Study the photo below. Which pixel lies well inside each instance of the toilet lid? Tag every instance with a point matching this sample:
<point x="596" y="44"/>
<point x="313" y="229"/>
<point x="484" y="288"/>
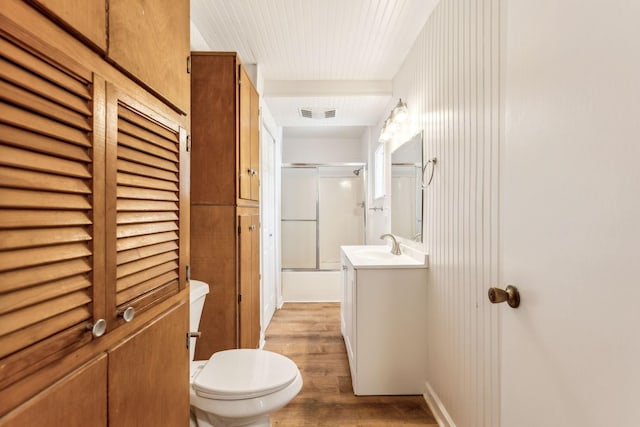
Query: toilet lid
<point x="244" y="374"/>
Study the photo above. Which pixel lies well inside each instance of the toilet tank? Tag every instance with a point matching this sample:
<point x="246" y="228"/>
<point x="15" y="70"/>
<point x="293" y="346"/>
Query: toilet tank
<point x="197" y="292"/>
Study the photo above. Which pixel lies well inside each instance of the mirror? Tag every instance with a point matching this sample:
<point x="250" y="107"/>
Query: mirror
<point x="378" y="173"/>
<point x="406" y="189"/>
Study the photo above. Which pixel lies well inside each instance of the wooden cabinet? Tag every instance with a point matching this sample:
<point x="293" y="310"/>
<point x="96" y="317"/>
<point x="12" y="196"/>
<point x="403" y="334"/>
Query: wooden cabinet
<point x="225" y="253"/>
<point x="225" y="131"/>
<point x="224" y="201"/>
<point x="249" y="280"/>
<point x="146" y="373"/>
<point x="248" y="144"/>
<point x="52" y="186"/>
<point x="94" y="214"/>
<point x="85" y="18"/>
<point x="146" y="39"/>
<point x="78" y="400"/>
<point x="131" y="383"/>
<point x="149" y="39"/>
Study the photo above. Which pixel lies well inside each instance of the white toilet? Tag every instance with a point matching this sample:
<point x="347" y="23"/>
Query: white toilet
<point x="237" y="387"/>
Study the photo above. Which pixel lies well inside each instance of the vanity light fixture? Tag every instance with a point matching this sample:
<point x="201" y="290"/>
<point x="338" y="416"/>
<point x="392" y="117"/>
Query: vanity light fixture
<point x="400" y="112"/>
<point x="397" y="116"/>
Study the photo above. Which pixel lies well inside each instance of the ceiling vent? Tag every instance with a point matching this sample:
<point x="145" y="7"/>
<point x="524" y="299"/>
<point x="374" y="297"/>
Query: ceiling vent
<point x="317" y="113"/>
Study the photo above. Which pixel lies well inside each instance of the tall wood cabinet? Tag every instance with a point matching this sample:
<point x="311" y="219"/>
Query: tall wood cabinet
<point x="225" y="245"/>
<point x="94" y="224"/>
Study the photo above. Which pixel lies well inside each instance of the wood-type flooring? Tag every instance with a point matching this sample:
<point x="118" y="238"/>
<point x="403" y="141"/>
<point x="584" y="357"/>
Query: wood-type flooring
<point x="309" y="334"/>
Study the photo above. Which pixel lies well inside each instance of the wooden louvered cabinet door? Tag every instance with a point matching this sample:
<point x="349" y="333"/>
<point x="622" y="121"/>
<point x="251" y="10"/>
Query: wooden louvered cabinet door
<point x="142" y="205"/>
<point x="51" y="207"/>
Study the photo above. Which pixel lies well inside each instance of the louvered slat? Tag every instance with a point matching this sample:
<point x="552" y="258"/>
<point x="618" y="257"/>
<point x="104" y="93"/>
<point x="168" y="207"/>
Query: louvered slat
<point x="141" y="126"/>
<point x="148" y="274"/>
<point x="146" y="206"/>
<point x="147" y="211"/>
<point x="31" y="315"/>
<point x="34" y="295"/>
<point x="15" y="239"/>
<point x="28" y="120"/>
<point x="138" y="169"/>
<point x="145" y="251"/>
<point x="144" y="182"/>
<point x="146" y="159"/>
<point x="19" y="178"/>
<point x="51" y="328"/>
<point x="76" y="85"/>
<point x="43" y="87"/>
<point x="14" y="218"/>
<point x="43" y="106"/>
<point x="26" y="159"/>
<point x="136" y="143"/>
<point x="17" y="279"/>
<point x="46" y="208"/>
<point x="14" y="198"/>
<point x="148" y="239"/>
<point x="137" y="217"/>
<point x="163" y="285"/>
<point x="43" y="144"/>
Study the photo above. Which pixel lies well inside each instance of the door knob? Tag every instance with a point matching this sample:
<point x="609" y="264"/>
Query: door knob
<point x="510" y="295"/>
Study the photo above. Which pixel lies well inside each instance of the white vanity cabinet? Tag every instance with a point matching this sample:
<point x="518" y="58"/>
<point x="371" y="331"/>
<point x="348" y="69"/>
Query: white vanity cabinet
<point x="383" y="318"/>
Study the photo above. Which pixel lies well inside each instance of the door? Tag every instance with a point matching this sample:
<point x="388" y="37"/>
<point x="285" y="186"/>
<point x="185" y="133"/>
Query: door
<point x="144" y="206"/>
<point x="569" y="215"/>
<point x="268" y="210"/>
<point x="148" y="381"/>
<point x="340" y="218"/>
<point x="78" y="400"/>
<point x="249" y="146"/>
<point x="249" y="265"/>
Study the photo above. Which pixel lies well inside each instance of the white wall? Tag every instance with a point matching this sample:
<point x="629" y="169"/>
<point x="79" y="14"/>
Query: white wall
<point x="311" y="150"/>
<point x="450" y="81"/>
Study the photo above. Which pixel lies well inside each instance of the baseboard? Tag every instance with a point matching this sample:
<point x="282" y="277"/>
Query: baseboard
<point x="438" y="409"/>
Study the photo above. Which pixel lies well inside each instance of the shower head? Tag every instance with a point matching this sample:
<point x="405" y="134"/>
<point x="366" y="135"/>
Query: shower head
<point x="356" y="172"/>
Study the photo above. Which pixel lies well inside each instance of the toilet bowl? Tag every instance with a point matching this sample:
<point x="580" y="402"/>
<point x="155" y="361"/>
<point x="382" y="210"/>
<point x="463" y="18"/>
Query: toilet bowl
<point x="239" y="387"/>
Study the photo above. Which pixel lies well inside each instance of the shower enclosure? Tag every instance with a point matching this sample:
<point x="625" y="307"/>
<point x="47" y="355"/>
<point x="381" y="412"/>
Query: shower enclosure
<point x="323" y="207"/>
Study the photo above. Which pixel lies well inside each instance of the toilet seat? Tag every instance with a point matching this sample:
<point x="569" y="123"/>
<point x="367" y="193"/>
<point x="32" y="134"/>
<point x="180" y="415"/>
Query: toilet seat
<point x="244" y="374"/>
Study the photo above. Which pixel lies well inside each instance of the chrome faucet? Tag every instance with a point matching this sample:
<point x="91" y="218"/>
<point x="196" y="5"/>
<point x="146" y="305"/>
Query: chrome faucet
<point x="395" y="247"/>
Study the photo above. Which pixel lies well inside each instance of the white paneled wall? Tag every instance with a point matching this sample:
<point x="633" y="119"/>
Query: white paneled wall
<point x="451" y="83"/>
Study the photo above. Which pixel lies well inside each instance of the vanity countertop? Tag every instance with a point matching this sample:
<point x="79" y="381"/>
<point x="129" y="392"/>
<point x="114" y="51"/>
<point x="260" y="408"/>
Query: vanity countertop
<point x="380" y="256"/>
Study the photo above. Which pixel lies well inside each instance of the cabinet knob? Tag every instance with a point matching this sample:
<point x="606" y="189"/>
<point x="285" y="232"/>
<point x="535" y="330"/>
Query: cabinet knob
<point x="128" y="314"/>
<point x="99" y="328"/>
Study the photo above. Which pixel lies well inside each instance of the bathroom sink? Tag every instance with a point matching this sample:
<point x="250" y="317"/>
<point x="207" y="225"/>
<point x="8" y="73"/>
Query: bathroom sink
<point x="379" y="256"/>
<point x="385" y="255"/>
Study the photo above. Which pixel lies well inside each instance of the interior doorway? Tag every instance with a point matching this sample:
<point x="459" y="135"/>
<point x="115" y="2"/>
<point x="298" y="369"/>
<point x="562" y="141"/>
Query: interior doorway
<point x="268" y="227"/>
